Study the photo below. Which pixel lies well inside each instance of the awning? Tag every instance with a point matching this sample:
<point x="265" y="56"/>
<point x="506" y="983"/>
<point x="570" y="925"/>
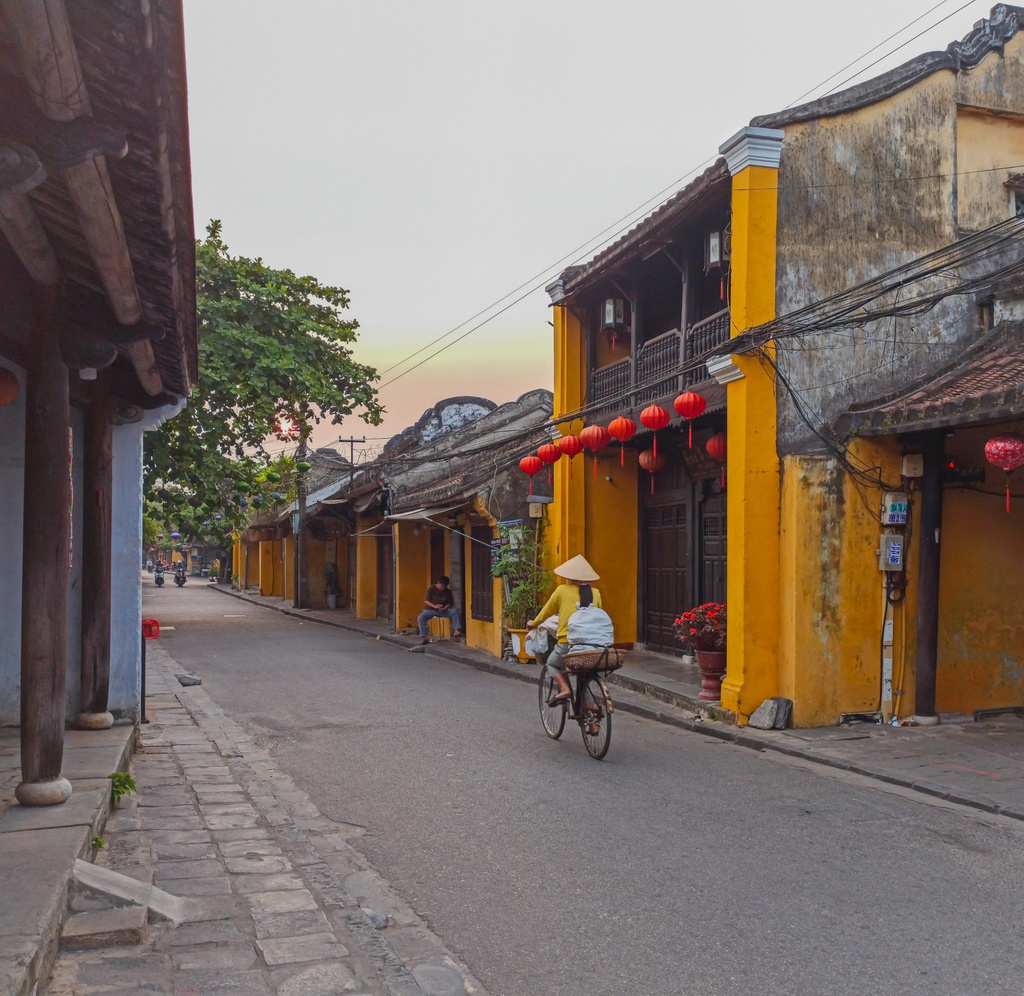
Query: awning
<point x="986" y="384"/>
<point x="423" y="514"/>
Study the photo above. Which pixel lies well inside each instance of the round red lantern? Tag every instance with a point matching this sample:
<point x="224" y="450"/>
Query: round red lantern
<point x="1006" y="453"/>
<point x="571" y="446"/>
<point x="622" y="429"/>
<point x="654" y="417"/>
<point x="690" y="405"/>
<point x="531" y="465"/>
<point x="595" y="437"/>
<point x="549" y="453"/>
<point x="652" y="463"/>
<point x="8" y="386"/>
<point x="717" y="450"/>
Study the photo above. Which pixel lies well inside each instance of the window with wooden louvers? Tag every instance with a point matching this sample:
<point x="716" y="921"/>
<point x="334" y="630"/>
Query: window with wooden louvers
<point x="482" y="584"/>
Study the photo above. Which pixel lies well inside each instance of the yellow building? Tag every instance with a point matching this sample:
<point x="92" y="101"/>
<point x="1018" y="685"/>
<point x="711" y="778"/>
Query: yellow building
<point x="842" y="289"/>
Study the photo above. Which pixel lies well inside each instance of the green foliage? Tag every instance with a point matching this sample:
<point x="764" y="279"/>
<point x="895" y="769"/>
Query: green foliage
<point x="525" y="581"/>
<point x="97" y="842"/>
<point x="121" y="784"/>
<point x="271" y="344"/>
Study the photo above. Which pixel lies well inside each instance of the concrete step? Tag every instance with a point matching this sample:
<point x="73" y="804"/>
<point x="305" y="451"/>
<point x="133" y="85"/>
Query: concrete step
<point x="104" y="928"/>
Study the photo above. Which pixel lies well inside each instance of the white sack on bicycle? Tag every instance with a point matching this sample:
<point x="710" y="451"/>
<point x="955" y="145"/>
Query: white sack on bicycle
<point x="590" y="628"/>
<point x="541" y="638"/>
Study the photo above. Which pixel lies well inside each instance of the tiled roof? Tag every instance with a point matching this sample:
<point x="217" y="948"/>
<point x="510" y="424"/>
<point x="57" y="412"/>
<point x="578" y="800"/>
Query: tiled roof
<point x="987" y="383"/>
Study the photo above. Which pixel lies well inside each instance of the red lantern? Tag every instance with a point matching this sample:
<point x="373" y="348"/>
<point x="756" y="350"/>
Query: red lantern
<point x="690" y="405"/>
<point x="717" y="451"/>
<point x="654" y="417"/>
<point x="549" y="453"/>
<point x="531" y="465"/>
<point x="570" y="445"/>
<point x="8" y="386"/>
<point x="595" y="437"/>
<point x="622" y="429"/>
<point x="1006" y="453"/>
<point x="652" y="463"/>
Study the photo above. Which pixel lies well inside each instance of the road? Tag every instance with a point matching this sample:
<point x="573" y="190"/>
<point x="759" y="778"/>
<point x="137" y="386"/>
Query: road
<point x="678" y="865"/>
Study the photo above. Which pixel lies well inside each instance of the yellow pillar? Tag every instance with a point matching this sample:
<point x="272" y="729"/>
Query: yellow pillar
<point x="567" y="536"/>
<point x="412" y="571"/>
<point x="366" y="569"/>
<point x="753" y="494"/>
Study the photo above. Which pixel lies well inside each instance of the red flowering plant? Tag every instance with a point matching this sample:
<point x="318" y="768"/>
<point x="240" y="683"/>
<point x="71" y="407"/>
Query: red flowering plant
<point x="703" y="627"/>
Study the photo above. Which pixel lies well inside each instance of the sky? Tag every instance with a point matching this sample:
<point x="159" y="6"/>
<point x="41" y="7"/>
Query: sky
<point x="444" y="159"/>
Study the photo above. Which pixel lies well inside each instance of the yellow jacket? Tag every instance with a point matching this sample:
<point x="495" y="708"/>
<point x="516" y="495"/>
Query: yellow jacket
<point x="564" y="600"/>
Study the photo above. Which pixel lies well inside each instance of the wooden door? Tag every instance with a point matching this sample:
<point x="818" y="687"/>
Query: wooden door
<point x="385" y="577"/>
<point x="667" y="571"/>
<point x="712" y="549"/>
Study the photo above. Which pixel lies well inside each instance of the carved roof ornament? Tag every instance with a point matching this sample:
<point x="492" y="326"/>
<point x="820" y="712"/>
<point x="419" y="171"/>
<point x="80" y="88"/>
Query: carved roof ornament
<point x="987" y="36"/>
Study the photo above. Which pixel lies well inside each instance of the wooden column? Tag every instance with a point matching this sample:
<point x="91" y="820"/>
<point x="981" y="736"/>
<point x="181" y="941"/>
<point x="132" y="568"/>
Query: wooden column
<point x="928" y="578"/>
<point x="96" y="553"/>
<point x="46" y="549"/>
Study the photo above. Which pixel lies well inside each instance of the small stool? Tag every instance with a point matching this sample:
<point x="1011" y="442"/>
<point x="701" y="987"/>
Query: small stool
<point x="440" y="628"/>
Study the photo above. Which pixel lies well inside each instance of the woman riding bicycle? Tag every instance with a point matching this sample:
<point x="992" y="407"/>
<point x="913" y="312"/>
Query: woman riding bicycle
<point x="565" y="600"/>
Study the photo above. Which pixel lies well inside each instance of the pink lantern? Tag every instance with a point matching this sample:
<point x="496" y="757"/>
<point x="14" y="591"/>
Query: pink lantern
<point x="1006" y="453"/>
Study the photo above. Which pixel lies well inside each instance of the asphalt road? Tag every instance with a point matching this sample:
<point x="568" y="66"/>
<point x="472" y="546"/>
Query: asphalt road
<point x="678" y="865"/>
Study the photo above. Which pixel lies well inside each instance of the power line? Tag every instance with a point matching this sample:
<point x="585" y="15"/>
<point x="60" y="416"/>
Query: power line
<point x="630" y="219"/>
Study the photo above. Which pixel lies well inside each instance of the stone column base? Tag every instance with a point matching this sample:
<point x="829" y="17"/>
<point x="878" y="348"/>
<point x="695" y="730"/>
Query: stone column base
<point x="94" y="720"/>
<point x="43" y="793"/>
<point x="925" y="720"/>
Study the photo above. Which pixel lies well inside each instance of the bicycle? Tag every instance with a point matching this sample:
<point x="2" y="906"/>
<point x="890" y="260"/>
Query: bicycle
<point x="590" y="704"/>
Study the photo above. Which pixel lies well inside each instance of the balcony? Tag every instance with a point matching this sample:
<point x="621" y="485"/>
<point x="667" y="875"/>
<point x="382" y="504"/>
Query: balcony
<point x="657" y="364"/>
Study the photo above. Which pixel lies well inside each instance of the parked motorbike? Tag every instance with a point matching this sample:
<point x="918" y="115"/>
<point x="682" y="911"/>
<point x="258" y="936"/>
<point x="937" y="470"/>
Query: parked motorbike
<point x="179" y="577"/>
<point x="159" y="578"/>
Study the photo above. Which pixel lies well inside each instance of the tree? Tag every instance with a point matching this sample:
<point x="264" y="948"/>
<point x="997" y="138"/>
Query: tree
<point x="272" y="346"/>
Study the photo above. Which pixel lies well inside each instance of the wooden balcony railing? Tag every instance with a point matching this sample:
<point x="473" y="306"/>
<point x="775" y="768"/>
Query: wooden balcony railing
<point x="658" y="368"/>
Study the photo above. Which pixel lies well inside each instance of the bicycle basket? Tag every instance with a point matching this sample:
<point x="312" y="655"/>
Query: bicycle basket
<point x="608" y="659"/>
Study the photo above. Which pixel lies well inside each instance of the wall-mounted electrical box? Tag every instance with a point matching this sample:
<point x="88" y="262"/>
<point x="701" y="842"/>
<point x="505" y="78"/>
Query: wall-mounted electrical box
<point x="894" y="508"/>
<point x="890" y="552"/>
<point x="913" y="465"/>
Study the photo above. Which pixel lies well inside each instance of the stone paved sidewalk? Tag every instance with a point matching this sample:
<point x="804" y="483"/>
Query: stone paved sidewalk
<point x="288" y="906"/>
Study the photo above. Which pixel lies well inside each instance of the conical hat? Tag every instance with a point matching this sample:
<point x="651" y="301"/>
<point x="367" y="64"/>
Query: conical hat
<point x="577" y="569"/>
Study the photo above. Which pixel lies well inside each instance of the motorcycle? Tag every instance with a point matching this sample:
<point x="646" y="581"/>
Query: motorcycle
<point x="159" y="578"/>
<point x="179" y="578"/>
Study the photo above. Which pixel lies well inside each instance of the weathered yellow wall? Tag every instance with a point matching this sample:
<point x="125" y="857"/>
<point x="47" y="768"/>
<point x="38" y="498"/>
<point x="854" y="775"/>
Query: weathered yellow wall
<point x="832" y="603"/>
<point x="316" y="558"/>
<point x="985" y="146"/>
<point x="981" y="623"/>
<point x="289" y="568"/>
<point x="753" y="495"/>
<point x="412" y="567"/>
<point x="366" y="568"/>
<point x="250" y="566"/>
<point x="613" y="522"/>
<point x="270" y="568"/>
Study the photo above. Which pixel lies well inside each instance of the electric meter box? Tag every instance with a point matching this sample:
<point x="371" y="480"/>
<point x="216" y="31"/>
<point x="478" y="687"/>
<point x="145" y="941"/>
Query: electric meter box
<point x="890" y="552"/>
<point x="913" y="465"/>
<point x="894" y="508"/>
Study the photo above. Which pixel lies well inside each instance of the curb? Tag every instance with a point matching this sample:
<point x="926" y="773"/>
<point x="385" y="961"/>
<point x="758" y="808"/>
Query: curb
<point x="740" y="736"/>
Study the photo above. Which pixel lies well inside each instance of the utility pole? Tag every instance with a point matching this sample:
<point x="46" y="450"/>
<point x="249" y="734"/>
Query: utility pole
<point x="351" y="446"/>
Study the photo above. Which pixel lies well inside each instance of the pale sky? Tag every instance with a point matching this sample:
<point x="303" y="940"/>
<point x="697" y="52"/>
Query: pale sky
<point x="432" y="156"/>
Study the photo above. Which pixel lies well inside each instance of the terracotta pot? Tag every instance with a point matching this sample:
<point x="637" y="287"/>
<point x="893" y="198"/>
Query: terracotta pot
<point x="712" y="670"/>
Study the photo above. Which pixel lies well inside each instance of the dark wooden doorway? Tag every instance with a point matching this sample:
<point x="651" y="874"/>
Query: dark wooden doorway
<point x="385" y="577"/>
<point x="712" y="548"/>
<point x="667" y="574"/>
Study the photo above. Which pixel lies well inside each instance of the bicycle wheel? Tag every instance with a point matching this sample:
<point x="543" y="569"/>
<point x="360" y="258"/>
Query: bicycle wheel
<point x="596" y="721"/>
<point x="552" y="716"/>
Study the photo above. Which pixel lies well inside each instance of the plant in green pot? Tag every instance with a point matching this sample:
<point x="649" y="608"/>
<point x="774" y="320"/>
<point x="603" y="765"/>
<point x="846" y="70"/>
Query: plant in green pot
<point x="525" y="584"/>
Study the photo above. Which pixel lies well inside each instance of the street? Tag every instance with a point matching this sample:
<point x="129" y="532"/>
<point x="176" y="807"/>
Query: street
<point x="550" y="873"/>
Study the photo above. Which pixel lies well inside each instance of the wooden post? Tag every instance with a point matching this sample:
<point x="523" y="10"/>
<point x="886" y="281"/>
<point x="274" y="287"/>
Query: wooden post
<point x="928" y="575"/>
<point x="96" y="554"/>
<point x="46" y="549"/>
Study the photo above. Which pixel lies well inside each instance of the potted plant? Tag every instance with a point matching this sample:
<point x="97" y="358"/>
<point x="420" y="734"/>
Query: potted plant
<point x="525" y="587"/>
<point x="704" y="629"/>
<point x="331" y="587"/>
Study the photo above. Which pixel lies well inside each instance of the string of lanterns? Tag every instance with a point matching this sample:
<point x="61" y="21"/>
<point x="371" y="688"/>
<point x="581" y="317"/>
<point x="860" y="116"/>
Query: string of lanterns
<point x="688" y="405"/>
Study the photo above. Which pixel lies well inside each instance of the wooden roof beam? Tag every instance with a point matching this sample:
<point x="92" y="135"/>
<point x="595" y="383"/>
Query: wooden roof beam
<point x="52" y="70"/>
<point x="20" y="172"/>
